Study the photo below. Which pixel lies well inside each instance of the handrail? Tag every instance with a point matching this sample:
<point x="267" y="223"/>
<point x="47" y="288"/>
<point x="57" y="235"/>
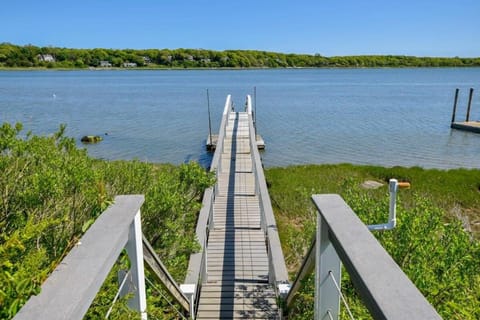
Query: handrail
<point x="249" y="105"/>
<point x="221" y="134"/>
<point x="162" y="274"/>
<point x="277" y="268"/>
<point x="384" y="288"/>
<point x="197" y="272"/>
<point x="72" y="286"/>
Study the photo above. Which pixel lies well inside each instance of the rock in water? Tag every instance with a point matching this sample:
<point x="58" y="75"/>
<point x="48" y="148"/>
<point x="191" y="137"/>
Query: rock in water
<point x="91" y="139"/>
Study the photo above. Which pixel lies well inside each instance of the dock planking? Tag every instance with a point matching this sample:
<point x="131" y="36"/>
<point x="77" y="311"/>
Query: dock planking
<point x="237" y="284"/>
<point x="211" y="143"/>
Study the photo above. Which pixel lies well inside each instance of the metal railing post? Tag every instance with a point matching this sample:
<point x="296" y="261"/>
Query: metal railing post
<point x="189" y="291"/>
<point x="135" y="253"/>
<point x="327" y="297"/>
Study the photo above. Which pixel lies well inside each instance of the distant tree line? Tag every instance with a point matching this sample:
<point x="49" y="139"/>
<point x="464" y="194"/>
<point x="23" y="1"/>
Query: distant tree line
<point x="29" y="56"/>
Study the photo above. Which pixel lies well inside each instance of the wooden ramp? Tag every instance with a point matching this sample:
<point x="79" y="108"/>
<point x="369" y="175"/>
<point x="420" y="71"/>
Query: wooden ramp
<point x="237" y="285"/>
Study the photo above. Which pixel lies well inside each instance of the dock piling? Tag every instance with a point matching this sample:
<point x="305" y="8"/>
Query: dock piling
<point x="469" y="104"/>
<point x="455" y="105"/>
<point x="467" y="125"/>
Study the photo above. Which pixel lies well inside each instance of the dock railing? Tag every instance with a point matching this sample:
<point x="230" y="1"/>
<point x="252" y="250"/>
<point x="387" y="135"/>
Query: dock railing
<point x="278" y="274"/>
<point x="72" y="286"/>
<point x="216" y="162"/>
<point x="197" y="266"/>
<point x="342" y="238"/>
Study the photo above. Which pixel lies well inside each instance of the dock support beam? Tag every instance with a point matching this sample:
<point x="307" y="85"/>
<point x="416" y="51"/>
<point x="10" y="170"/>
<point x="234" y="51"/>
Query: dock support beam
<point x="455" y="105"/>
<point x="469" y="104"/>
<point x="327" y="264"/>
<point x="135" y="253"/>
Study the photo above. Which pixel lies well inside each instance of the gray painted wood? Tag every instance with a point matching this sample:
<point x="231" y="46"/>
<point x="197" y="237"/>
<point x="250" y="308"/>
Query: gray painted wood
<point x="279" y="273"/>
<point x="161" y="273"/>
<point x="70" y="289"/>
<point x="306" y="269"/>
<point x="385" y="289"/>
<point x="238" y="266"/>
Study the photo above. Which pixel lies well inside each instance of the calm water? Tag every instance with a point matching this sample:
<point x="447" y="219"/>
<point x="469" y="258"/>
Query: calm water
<point x="366" y="116"/>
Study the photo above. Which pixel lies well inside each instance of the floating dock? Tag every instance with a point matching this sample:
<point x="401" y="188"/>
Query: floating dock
<point x="212" y="145"/>
<point x="467" y="125"/>
<point x="471" y="126"/>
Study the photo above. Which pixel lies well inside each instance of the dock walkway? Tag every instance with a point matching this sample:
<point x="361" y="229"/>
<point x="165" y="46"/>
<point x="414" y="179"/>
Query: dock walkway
<point x="237" y="285"/>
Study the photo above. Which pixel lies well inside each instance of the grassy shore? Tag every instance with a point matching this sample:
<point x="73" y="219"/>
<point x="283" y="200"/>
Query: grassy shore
<point x="435" y="240"/>
<point x="51" y="192"/>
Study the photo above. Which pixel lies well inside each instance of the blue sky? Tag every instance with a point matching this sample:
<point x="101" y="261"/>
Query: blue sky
<point x="334" y="27"/>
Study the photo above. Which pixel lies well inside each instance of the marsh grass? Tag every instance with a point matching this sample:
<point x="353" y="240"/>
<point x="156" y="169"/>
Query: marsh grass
<point x="51" y="192"/>
<point x="435" y="241"/>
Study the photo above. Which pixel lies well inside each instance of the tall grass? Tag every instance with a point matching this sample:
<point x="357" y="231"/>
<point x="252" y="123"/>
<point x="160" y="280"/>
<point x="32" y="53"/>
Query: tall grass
<point x="51" y="192"/>
<point x="434" y="242"/>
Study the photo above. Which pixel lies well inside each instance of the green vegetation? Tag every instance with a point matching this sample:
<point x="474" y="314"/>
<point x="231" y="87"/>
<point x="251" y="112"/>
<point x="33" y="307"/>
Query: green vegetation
<point x="13" y="56"/>
<point x="434" y="241"/>
<point x="51" y="192"/>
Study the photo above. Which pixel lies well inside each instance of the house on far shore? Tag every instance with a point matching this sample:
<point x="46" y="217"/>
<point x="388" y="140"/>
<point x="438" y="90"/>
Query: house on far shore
<point x="45" y="57"/>
<point x="129" y="65"/>
<point x="105" y="64"/>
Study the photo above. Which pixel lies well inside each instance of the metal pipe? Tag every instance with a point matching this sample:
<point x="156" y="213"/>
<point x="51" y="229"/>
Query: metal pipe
<point x="455" y="105"/>
<point x="393" y="186"/>
<point x="255" y="109"/>
<point x="469" y="104"/>
<point x="209" y="121"/>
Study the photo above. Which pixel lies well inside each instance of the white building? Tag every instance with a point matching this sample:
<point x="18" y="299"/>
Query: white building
<point x="46" y="57"/>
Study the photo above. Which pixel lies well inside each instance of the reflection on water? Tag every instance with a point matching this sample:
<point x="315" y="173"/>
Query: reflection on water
<point x="366" y="116"/>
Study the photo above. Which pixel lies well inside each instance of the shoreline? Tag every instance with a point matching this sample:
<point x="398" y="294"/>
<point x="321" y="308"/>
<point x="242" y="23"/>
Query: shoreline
<point x="2" y="68"/>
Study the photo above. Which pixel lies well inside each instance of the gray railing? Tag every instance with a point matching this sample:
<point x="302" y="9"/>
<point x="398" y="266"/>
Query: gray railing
<point x="71" y="288"/>
<point x="278" y="273"/>
<point x="221" y="134"/>
<point x="197" y="266"/>
<point x="343" y="238"/>
<point x="161" y="273"/>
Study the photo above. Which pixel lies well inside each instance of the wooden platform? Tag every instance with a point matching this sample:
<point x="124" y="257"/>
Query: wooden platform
<point x="211" y="145"/>
<point x="471" y="126"/>
<point x="237" y="285"/>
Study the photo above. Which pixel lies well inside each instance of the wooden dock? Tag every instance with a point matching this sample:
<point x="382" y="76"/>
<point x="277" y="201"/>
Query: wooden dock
<point x="467" y="125"/>
<point x="211" y="142"/>
<point x="471" y="126"/>
<point x="237" y="285"/>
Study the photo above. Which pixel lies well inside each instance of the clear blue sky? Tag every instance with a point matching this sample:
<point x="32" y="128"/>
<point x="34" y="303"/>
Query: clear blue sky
<point x="334" y="27"/>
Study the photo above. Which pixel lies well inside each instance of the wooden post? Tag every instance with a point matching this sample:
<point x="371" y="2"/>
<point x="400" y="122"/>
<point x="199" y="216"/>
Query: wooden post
<point x="455" y="105"/>
<point x="327" y="264"/>
<point x="134" y="249"/>
<point x="469" y="104"/>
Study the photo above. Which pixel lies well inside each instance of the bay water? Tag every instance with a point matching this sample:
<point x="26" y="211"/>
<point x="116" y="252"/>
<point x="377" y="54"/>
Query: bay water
<point x="388" y="117"/>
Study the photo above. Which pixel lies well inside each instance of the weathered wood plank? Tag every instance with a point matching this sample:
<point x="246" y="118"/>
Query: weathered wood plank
<point x="236" y="314"/>
<point x="238" y="266"/>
